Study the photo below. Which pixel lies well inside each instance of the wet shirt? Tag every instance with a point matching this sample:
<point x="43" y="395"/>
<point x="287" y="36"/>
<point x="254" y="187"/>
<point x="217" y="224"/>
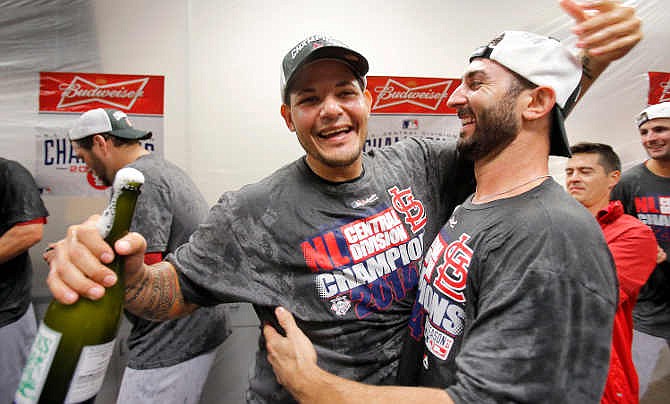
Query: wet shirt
<point x="516" y="301"/>
<point x="647" y="197"/>
<point x="341" y="256"/>
<point x="20" y="201"/>
<point x="168" y="210"/>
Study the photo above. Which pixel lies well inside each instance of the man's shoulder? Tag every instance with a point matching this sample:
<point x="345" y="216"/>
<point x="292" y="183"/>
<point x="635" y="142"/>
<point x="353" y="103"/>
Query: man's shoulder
<point x="634" y="173"/>
<point x="416" y="144"/>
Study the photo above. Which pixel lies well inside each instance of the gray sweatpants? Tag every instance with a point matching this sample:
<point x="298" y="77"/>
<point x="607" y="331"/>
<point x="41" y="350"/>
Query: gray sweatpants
<point x="646" y="352"/>
<point x="181" y="383"/>
<point x="16" y="339"/>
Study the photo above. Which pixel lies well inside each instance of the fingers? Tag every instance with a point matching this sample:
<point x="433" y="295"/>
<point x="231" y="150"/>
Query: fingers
<point x="611" y="32"/>
<point x="606" y="29"/>
<point x="287" y="321"/>
<point x="660" y="255"/>
<point x="133" y="246"/>
<point x="573" y="9"/>
<point x="48" y="252"/>
<point x="75" y="267"/>
<point x="595" y="15"/>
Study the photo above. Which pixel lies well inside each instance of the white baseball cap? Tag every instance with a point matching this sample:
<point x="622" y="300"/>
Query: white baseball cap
<point x="543" y="61"/>
<point x="661" y="110"/>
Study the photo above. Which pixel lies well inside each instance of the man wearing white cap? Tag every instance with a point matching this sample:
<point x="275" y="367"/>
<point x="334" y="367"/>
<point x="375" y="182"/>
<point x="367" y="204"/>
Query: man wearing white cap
<point x="644" y="191"/>
<point x="509" y="308"/>
<point x="169" y="208"/>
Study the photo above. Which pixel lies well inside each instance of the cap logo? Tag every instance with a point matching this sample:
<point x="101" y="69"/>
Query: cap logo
<point x="118" y="115"/>
<point x="312" y="39"/>
<point x="495" y="41"/>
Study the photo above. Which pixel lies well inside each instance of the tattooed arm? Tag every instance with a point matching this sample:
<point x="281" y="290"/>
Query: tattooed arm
<point x="154" y="293"/>
<point x="77" y="268"/>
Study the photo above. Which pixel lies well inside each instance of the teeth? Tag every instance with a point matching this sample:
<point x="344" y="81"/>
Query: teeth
<point x="334" y="131"/>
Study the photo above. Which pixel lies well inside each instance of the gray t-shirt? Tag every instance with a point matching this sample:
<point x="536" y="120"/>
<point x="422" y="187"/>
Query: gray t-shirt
<point x="647" y="197"/>
<point x="341" y="256"/>
<point x="168" y="210"/>
<point x="516" y="301"/>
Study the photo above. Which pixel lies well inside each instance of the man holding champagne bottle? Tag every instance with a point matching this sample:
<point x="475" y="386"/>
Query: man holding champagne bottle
<point x="343" y="257"/>
<point x="168" y="210"/>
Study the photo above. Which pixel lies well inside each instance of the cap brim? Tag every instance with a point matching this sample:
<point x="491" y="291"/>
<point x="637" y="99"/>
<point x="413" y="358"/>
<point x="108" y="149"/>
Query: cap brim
<point x="131" y="133"/>
<point x="558" y="137"/>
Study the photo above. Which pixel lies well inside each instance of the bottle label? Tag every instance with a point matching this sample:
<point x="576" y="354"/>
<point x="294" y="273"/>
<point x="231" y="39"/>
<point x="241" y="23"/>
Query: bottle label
<point x="37" y="368"/>
<point x="90" y="372"/>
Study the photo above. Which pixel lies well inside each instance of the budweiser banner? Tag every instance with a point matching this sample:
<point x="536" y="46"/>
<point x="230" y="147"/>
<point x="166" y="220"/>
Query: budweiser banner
<point x="659" y="87"/>
<point x="410" y="107"/>
<point x="65" y="96"/>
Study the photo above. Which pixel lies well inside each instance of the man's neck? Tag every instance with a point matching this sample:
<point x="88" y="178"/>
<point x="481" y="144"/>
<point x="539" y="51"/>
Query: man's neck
<point x="659" y="167"/>
<point x="521" y="166"/>
<point x="125" y="155"/>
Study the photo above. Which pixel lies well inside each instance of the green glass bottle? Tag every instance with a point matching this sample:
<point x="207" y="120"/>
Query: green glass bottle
<point x="74" y="343"/>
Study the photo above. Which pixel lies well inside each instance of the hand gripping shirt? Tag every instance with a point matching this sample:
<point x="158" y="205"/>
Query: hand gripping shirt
<point x="515" y="302"/>
<point x="341" y="256"/>
<point x="647" y="197"/>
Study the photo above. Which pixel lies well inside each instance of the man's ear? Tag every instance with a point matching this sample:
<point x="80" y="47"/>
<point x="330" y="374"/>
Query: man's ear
<point x="100" y="141"/>
<point x="286" y="114"/>
<point x="613" y="179"/>
<point x="541" y="100"/>
<point x="368" y="99"/>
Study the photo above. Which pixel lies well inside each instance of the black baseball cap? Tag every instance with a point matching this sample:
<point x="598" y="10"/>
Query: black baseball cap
<point x="320" y="46"/>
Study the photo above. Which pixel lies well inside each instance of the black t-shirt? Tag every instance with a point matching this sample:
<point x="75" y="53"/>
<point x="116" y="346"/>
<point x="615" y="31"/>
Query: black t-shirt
<point x="343" y="257"/>
<point x="516" y="301"/>
<point x="20" y="201"/>
<point x="647" y="197"/>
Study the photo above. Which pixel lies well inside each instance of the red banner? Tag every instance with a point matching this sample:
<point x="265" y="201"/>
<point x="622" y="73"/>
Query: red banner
<point x="79" y="92"/>
<point x="659" y="87"/>
<point x="411" y="95"/>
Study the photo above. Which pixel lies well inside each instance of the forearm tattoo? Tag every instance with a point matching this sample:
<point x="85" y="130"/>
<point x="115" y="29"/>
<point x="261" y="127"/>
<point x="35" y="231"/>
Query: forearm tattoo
<point x="155" y="295"/>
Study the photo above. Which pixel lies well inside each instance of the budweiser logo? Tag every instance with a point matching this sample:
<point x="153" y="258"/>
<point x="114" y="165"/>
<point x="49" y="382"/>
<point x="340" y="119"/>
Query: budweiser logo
<point x="428" y="96"/>
<point x="121" y="95"/>
<point x="665" y="92"/>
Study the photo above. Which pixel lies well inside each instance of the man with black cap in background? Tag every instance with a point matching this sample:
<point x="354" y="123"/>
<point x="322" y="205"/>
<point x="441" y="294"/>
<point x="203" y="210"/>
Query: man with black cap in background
<point x="336" y="236"/>
<point x="167" y="361"/>
<point x="644" y="191"/>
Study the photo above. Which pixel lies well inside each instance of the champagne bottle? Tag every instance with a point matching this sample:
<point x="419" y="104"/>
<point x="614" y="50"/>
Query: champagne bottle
<point x="74" y="343"/>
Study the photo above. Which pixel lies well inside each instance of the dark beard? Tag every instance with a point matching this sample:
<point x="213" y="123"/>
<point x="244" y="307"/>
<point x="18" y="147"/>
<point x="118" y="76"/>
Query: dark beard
<point x="496" y="128"/>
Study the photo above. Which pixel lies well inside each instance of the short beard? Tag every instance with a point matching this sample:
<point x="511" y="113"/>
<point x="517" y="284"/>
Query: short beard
<point x="496" y="128"/>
